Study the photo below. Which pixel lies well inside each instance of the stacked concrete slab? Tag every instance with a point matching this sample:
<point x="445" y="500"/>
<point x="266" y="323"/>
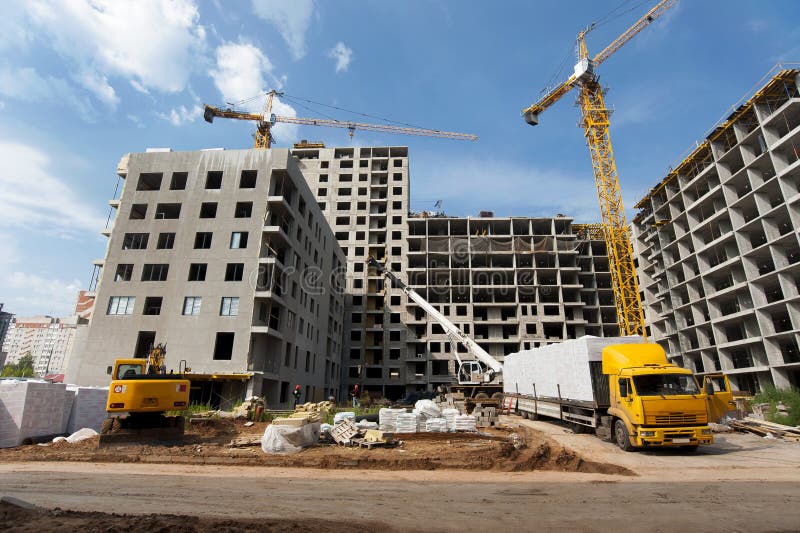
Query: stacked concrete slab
<point x="30" y="409"/>
<point x="88" y="409"/>
<point x="558" y="370"/>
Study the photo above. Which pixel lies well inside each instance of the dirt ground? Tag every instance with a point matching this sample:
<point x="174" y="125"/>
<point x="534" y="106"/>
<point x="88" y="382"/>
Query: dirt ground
<point x="207" y="443"/>
<point x="741" y="483"/>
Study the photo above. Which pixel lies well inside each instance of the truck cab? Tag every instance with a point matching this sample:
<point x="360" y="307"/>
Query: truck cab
<point x="654" y="402"/>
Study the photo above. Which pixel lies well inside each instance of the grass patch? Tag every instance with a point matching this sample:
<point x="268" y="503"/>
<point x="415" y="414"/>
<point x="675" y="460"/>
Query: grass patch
<point x="788" y="397"/>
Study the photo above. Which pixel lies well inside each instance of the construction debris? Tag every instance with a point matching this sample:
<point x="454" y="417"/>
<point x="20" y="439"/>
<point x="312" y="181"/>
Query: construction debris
<point x="766" y="429"/>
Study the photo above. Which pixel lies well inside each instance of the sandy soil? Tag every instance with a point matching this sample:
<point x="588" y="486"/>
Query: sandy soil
<point x="207" y="444"/>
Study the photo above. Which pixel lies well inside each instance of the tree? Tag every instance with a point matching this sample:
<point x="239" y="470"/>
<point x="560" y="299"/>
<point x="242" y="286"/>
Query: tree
<point x="21" y="369"/>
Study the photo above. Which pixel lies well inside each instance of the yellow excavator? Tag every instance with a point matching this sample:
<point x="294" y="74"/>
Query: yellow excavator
<point x="140" y="395"/>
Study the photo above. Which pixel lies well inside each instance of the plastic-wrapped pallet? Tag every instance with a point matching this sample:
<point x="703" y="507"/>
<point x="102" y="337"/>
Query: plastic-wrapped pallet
<point x="428" y="408"/>
<point x="436" y="425"/>
<point x="338" y="417"/>
<point x="289" y="439"/>
<point x="364" y="424"/>
<point x="30" y="409"/>
<point x="88" y="408"/>
<point x="421" y="418"/>
<point x="387" y="419"/>
<point x="407" y="423"/>
<point x="465" y="423"/>
<point x="450" y="415"/>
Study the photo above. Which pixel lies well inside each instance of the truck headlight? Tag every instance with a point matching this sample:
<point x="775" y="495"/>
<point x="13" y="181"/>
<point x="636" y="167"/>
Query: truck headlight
<point x="647" y="433"/>
<point x="705" y="431"/>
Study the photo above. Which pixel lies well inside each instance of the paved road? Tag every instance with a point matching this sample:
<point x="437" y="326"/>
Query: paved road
<point x="416" y="500"/>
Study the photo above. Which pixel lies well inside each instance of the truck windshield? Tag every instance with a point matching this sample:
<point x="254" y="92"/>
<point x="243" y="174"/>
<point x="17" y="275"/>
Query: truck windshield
<point x="665" y="385"/>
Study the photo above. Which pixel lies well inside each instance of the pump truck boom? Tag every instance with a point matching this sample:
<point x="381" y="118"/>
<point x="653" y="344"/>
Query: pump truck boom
<point x="481" y="377"/>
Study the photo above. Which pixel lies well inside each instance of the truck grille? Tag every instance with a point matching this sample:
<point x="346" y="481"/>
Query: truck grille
<point x="674" y="419"/>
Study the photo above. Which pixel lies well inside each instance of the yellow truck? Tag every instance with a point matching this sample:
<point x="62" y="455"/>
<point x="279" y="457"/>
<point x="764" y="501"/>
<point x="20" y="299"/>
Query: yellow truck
<point x="140" y="394"/>
<point x="622" y="388"/>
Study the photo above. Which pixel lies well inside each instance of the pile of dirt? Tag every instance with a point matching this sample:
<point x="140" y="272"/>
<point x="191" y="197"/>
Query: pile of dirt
<point x="17" y="519"/>
<point x="517" y="449"/>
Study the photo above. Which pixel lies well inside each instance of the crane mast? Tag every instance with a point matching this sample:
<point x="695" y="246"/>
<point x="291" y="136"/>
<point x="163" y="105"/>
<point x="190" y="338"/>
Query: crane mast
<point x="453" y="332"/>
<point x="595" y="122"/>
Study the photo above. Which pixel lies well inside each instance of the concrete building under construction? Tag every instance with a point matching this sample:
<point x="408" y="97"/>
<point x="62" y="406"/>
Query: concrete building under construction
<point x="511" y="283"/>
<point x="717" y="245"/>
<point x="226" y="258"/>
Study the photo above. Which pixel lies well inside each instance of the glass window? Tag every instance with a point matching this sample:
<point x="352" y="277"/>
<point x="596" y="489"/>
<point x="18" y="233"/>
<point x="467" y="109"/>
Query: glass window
<point x="229" y="307"/>
<point x="239" y="239"/>
<point x="121" y="305"/>
<point x="234" y="272"/>
<point x="202" y="240"/>
<point x="124" y="272"/>
<point x="197" y="271"/>
<point x="191" y="305"/>
<point x="665" y="385"/>
<point x="155" y="272"/>
<point x="243" y="210"/>
<point x="165" y="241"/>
<point x="135" y="241"/>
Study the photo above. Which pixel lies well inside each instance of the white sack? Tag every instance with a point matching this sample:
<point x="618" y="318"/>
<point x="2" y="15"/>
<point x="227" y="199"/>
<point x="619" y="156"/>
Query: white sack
<point x="289" y="439"/>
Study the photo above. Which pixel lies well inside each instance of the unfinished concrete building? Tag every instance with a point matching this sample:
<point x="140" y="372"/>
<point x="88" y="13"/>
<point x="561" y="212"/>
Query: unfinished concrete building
<point x="364" y="195"/>
<point x="717" y="245"/>
<point x="511" y="283"/>
<point x="226" y="258"/>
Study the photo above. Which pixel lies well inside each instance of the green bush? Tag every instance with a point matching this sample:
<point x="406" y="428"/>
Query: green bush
<point x="788" y="397"/>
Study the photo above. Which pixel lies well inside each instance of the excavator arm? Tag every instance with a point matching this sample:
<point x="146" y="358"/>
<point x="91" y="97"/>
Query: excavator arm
<point x="452" y="331"/>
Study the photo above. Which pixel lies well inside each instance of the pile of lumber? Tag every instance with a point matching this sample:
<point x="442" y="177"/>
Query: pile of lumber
<point x="764" y="428"/>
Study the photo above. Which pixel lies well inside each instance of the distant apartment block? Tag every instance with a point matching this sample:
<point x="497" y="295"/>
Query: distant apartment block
<point x="5" y="323"/>
<point x="718" y="250"/>
<point x="225" y="257"/>
<point x="48" y="340"/>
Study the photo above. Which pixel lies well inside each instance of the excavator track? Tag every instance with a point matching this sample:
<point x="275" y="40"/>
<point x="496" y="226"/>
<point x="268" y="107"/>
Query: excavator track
<point x="153" y="429"/>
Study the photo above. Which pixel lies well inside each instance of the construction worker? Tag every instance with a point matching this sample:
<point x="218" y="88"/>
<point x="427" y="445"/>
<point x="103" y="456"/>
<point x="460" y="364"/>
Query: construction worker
<point x="296" y="395"/>
<point x="356" y="396"/>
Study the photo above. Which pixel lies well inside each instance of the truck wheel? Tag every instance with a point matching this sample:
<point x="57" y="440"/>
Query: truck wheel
<point x="481" y="396"/>
<point x="497" y="396"/>
<point x="622" y="437"/>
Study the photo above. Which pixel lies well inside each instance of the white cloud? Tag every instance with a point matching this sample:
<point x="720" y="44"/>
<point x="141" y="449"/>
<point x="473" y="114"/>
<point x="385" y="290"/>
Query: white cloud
<point x="240" y="73"/>
<point x="32" y="197"/>
<point x="181" y="115"/>
<point x="291" y="18"/>
<point x="36" y="294"/>
<point x="757" y="25"/>
<point x="342" y="54"/>
<point x="27" y="85"/>
<point x="154" y="43"/>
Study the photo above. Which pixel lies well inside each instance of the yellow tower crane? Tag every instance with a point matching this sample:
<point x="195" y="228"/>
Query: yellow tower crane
<point x="267" y="119"/>
<point x="595" y="124"/>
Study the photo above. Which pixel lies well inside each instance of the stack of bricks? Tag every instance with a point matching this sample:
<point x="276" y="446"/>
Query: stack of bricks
<point x="30" y="409"/>
<point x="487" y="416"/>
<point x="454" y="400"/>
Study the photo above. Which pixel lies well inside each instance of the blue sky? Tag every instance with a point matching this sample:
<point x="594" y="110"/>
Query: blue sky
<point x="84" y="82"/>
